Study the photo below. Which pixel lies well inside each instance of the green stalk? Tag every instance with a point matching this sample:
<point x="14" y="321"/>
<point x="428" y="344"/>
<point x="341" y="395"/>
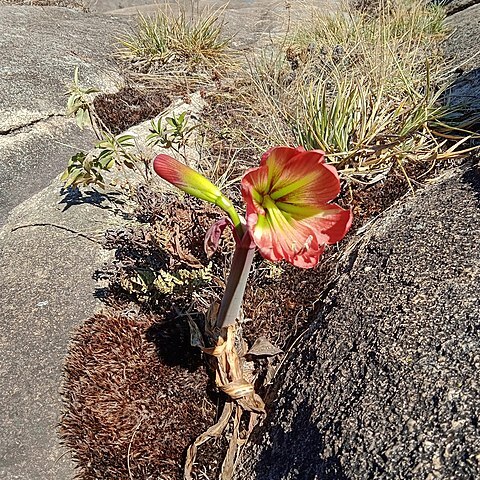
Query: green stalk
<point x="226" y="205"/>
<point x="236" y="283"/>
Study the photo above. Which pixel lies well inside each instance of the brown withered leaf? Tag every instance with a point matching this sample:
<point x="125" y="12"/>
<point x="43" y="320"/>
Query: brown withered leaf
<point x="263" y="348"/>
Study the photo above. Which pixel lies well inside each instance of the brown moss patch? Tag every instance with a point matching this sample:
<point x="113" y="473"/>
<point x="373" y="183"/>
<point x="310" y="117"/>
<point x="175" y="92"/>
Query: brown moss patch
<point x="131" y="414"/>
<point x="128" y="107"/>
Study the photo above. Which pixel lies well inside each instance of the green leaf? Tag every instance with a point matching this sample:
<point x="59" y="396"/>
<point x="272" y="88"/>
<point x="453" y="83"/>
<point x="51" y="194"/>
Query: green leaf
<point x="181" y="118"/>
<point x="104" y="154"/>
<point x="79" y="118"/>
<point x="124" y="137"/>
<point x="86" y="117"/>
<point x="171" y="121"/>
<point x="91" y="90"/>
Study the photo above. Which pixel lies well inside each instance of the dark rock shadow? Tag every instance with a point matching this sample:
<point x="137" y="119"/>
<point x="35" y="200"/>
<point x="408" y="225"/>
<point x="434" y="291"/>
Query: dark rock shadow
<point x="107" y="201"/>
<point x="463" y="95"/>
<point x="172" y="343"/>
<point x="297" y="454"/>
<point x="103" y="293"/>
<point x="472" y="178"/>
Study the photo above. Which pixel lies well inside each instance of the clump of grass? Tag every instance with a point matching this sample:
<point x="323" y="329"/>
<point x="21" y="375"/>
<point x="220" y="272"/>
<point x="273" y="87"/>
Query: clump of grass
<point x="167" y="38"/>
<point x="363" y="87"/>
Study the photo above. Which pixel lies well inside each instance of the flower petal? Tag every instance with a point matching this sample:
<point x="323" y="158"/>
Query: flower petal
<point x="254" y="186"/>
<point x="261" y="234"/>
<point x="280" y="154"/>
<point x="214" y="234"/>
<point x="276" y="160"/>
<point x="288" y="214"/>
<point x="278" y="236"/>
<point x="331" y="225"/>
<point x="306" y="180"/>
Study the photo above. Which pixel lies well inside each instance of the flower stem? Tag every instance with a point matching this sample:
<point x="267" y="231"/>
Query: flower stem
<point x="236" y="283"/>
<point x="226" y="205"/>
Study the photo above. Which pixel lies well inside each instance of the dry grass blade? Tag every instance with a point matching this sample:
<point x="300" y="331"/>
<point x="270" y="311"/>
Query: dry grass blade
<point x="213" y="432"/>
<point x="229" y="377"/>
<point x="363" y="87"/>
<point x="178" y="39"/>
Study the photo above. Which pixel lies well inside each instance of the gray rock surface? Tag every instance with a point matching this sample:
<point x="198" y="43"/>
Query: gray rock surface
<point x="35" y="74"/>
<point x="48" y="254"/>
<point x="463" y="48"/>
<point x="46" y="259"/>
<point x="454" y="6"/>
<point x="40" y="48"/>
<point x="32" y="156"/>
<point x="385" y="383"/>
<point x="461" y="45"/>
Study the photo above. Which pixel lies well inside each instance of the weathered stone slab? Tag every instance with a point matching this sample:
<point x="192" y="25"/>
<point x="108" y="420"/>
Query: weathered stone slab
<point x="34" y="155"/>
<point x="454" y="6"/>
<point x="48" y="254"/>
<point x="464" y="44"/>
<point x="385" y="384"/>
<point x="40" y="48"/>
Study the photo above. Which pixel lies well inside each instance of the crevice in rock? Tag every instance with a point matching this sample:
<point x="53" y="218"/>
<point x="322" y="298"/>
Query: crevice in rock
<point x="20" y="128"/>
<point x="460" y="6"/>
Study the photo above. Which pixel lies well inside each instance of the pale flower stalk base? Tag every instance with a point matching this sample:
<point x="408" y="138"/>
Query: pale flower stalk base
<point x="242" y="399"/>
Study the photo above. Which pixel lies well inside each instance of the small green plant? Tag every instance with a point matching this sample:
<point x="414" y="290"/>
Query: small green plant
<point x="171" y="132"/>
<point x="79" y="104"/>
<point x="114" y="148"/>
<point x="147" y="284"/>
<point x="116" y="151"/>
<point x="85" y="169"/>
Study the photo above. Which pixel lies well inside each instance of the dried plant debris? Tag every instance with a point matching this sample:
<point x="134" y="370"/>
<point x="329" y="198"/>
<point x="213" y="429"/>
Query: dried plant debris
<point x="128" y="107"/>
<point x="135" y="393"/>
<point x="164" y="260"/>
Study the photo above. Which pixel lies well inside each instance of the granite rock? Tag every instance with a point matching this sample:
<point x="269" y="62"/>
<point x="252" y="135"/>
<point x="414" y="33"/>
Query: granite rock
<point x="385" y="383"/>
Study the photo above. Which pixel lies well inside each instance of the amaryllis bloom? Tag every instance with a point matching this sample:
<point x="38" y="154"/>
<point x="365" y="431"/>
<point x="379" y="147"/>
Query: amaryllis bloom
<point x="194" y="183"/>
<point x="288" y="211"/>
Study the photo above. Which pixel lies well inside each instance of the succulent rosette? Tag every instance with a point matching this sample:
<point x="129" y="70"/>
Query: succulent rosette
<point x="289" y="214"/>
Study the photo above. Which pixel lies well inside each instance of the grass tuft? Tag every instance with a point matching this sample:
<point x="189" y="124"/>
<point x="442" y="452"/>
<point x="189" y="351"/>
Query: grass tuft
<point x="363" y="85"/>
<point x="167" y="38"/>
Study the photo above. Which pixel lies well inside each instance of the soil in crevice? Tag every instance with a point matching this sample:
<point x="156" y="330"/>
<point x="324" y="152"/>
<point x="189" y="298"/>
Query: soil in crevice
<point x="128" y="107"/>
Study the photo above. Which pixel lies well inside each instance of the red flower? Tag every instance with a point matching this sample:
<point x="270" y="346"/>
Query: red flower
<point x="288" y="211"/>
